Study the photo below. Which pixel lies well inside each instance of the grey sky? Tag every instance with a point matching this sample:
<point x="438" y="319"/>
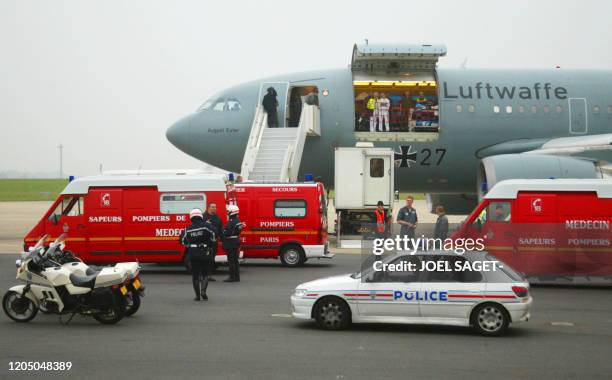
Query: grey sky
<point x="106" y="78"/>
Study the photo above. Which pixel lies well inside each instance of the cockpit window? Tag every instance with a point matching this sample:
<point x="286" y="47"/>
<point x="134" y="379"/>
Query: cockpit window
<point x="221" y="105"/>
<point x="233" y="105"/>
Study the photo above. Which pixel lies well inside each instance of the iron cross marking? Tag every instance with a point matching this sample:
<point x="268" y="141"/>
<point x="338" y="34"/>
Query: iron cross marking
<point x="405" y="156"/>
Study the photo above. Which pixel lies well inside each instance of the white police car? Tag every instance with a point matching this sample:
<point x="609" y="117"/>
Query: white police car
<point x="471" y="293"/>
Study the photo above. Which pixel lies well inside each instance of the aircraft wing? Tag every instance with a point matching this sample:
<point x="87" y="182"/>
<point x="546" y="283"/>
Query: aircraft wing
<point x="575" y="145"/>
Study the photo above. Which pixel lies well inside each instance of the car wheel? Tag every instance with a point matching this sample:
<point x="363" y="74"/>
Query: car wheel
<point x="292" y="256"/>
<point x="18" y="308"/>
<point x="490" y="319"/>
<point x="332" y="313"/>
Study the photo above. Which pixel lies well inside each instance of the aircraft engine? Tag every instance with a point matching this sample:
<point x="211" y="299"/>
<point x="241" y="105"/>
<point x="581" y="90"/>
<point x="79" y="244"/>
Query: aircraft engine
<point x="494" y="169"/>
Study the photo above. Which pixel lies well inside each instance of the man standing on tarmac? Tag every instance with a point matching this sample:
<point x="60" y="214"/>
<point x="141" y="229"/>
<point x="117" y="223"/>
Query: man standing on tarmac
<point x="216" y="225"/>
<point x="198" y="237"/>
<point x="407" y="218"/>
<point x="231" y="242"/>
<point x="382" y="219"/>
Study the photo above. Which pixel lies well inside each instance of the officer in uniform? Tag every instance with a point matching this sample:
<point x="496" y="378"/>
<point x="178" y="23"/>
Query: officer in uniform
<point x="198" y="237"/>
<point x="231" y="242"/>
<point x="407" y="218"/>
<point x="215" y="223"/>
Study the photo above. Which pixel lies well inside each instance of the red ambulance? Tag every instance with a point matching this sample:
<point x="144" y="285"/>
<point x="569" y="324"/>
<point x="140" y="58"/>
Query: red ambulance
<point x="553" y="230"/>
<point x="286" y="221"/>
<point x="139" y="217"/>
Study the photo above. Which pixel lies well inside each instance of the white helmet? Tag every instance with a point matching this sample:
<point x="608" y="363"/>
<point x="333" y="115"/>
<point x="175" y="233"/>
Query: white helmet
<point x="233" y="209"/>
<point x="196" y="212"/>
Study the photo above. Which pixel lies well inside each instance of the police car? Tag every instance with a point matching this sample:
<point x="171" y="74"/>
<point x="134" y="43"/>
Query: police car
<point x="435" y="287"/>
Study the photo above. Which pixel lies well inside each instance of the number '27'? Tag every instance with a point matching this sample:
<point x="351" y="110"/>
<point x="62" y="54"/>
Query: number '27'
<point x="432" y="157"/>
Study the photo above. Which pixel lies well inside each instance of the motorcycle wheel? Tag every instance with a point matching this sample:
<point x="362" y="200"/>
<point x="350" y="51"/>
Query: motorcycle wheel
<point x="132" y="303"/>
<point x="113" y="315"/>
<point x="18" y="308"/>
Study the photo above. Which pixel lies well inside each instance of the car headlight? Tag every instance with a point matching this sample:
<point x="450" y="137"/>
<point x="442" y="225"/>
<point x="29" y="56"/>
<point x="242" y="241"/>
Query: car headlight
<point x="300" y="292"/>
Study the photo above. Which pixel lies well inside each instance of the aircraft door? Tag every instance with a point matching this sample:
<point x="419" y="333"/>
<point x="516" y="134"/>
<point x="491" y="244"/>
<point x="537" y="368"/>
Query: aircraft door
<point x="377" y="179"/>
<point x="282" y="89"/>
<point x="578" y="116"/>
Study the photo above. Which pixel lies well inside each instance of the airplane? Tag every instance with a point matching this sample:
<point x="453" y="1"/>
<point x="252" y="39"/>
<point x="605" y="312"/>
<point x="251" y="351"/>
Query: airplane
<point x="455" y="132"/>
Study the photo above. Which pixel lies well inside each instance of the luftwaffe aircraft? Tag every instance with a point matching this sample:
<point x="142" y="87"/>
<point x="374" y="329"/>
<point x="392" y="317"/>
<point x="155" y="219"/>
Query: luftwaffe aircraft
<point x="455" y="132"/>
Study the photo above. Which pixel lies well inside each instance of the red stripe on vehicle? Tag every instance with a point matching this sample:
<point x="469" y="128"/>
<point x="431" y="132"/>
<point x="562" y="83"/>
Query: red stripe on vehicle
<point x="385" y="295"/>
<point x="356" y="294"/>
<point x="312" y="294"/>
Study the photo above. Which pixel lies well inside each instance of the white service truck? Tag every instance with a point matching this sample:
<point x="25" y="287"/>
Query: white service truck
<point x="363" y="176"/>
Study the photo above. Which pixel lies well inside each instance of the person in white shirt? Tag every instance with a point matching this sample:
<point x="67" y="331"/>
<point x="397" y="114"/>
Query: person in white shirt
<point x="382" y="105"/>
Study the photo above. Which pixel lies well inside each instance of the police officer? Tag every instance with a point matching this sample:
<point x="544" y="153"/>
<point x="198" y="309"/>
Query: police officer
<point x="407" y="218"/>
<point x="231" y="242"/>
<point x="215" y="223"/>
<point x="198" y="237"/>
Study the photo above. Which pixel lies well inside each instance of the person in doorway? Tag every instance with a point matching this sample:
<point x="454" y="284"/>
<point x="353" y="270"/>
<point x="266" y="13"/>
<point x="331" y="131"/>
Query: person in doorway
<point x="211" y="218"/>
<point x="372" y="111"/>
<point x="382" y="105"/>
<point x="407" y="218"/>
<point x="270" y="105"/>
<point x="198" y="238"/>
<point x="382" y="220"/>
<point x="231" y="242"/>
<point x="312" y="99"/>
<point x="441" y="228"/>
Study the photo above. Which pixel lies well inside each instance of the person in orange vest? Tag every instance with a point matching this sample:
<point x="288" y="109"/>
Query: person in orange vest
<point x="382" y="220"/>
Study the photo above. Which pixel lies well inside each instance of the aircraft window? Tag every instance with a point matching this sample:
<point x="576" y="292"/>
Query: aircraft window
<point x="596" y="109"/>
<point x="534" y="109"/>
<point x="459" y="108"/>
<point x="220" y="105"/>
<point x="496" y="109"/>
<point x="471" y="108"/>
<point x="508" y="109"/>
<point x="521" y="109"/>
<point x="233" y="105"/>
<point x="546" y="109"/>
<point x="207" y="104"/>
<point x="559" y="109"/>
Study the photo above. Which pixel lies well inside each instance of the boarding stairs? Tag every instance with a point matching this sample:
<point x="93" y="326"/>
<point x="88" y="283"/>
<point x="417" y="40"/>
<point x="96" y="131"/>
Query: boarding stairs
<point x="275" y="154"/>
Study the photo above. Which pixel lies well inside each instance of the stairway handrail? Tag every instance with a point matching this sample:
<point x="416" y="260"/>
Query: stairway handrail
<point x="285" y="173"/>
<point x="307" y="118"/>
<point x="253" y="143"/>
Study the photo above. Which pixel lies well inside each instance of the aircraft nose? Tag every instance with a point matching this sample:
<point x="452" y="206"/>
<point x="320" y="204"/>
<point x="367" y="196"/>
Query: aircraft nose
<point x="179" y="134"/>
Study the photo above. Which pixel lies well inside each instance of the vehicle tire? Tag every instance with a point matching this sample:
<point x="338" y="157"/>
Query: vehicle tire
<point x="332" y="313"/>
<point x="132" y="303"/>
<point x="292" y="256"/>
<point x="18" y="308"/>
<point x="113" y="315"/>
<point x="490" y="319"/>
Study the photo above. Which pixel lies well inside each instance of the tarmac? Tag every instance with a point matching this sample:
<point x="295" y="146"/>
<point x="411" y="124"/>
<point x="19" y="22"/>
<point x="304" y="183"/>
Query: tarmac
<point x="245" y="331"/>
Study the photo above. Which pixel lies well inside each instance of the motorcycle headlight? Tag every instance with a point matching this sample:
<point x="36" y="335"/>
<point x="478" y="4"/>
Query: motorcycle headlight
<point x="18" y="263"/>
<point x="300" y="292"/>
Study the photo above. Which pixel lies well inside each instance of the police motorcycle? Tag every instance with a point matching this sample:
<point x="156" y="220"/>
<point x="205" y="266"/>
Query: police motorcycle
<point x="135" y="289"/>
<point x="62" y="292"/>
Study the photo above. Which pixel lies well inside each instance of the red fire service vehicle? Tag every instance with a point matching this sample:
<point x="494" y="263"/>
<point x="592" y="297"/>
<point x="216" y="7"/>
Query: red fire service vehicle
<point x="124" y="216"/>
<point x="554" y="230"/>
<point x="286" y="221"/>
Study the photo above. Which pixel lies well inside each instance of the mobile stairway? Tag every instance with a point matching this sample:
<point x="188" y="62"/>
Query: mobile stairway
<point x="274" y="154"/>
